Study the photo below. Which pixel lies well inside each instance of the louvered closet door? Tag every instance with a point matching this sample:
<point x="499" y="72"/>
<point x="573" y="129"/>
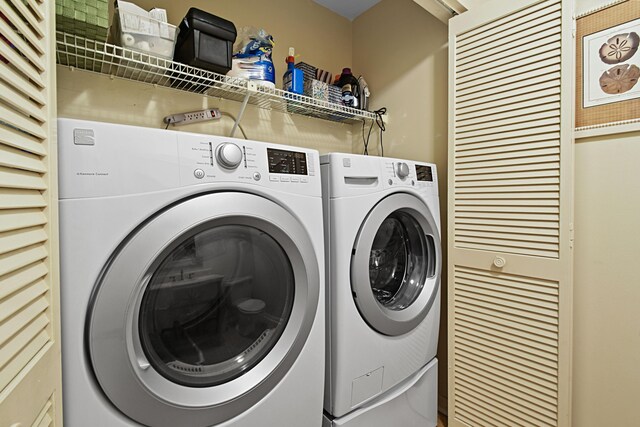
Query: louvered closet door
<point x="510" y="210"/>
<point x="29" y="327"/>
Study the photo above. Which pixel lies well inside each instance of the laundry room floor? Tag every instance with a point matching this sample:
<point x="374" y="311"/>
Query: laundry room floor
<point x="442" y="420"/>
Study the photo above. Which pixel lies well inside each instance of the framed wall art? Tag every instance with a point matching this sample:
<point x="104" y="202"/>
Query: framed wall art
<point x="608" y="69"/>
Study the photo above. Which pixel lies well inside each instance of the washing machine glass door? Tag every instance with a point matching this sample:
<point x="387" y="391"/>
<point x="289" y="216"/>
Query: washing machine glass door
<point x="203" y="310"/>
<point x="216" y="305"/>
<point x="396" y="264"/>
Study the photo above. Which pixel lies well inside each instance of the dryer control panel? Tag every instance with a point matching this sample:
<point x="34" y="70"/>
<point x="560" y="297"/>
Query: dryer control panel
<point x="404" y="173"/>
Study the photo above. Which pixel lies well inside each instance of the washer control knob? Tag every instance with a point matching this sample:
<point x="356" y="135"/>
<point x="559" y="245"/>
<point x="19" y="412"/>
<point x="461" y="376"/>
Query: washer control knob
<point x="229" y="155"/>
<point x="402" y="170"/>
<point x="198" y="173"/>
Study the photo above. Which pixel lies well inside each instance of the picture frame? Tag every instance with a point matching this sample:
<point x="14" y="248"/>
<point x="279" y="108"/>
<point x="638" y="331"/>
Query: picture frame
<point x="608" y="69"/>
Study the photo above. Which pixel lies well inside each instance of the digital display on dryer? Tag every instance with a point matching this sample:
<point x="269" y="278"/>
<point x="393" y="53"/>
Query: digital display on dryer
<point x="424" y="173"/>
<point x="289" y="162"/>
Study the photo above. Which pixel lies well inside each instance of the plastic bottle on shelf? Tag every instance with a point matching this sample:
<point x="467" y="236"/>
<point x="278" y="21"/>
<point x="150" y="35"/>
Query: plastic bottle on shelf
<point x="350" y="89"/>
<point x="292" y="80"/>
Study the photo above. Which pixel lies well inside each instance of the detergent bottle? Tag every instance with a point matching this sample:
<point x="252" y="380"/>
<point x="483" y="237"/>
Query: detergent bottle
<point x="292" y="80"/>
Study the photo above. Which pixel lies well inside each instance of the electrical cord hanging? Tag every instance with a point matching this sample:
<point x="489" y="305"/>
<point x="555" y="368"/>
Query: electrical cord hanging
<point x="224" y="113"/>
<point x="379" y="121"/>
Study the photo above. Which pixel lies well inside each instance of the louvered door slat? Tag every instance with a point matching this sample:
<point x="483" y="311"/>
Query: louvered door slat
<point x="11" y="157"/>
<point x="486" y="29"/>
<point x="26" y="49"/>
<point x="497" y="97"/>
<point x="524" y="164"/>
<point x="508" y="45"/>
<point x="21" y="122"/>
<point x="517" y="411"/>
<point x="508" y="388"/>
<point x="21" y="278"/>
<point x="513" y="79"/>
<point x="507" y="123"/>
<point x="540" y="20"/>
<point x="512" y="104"/>
<point x="23" y="85"/>
<point x="533" y="123"/>
<point x="517" y="51"/>
<point x="518" y="229"/>
<point x="487" y="117"/>
<point x="17" y="139"/>
<point x="24" y="317"/>
<point x="16" y="303"/>
<point x="15" y="178"/>
<point x="20" y="64"/>
<point x="489" y="367"/>
<point x="481" y="417"/>
<point x="35" y="344"/>
<point x="464" y="160"/>
<point x="511" y="69"/>
<point x="18" y="239"/>
<point x="15" y="260"/>
<point x="24" y="29"/>
<point x="30" y="15"/>
<point x="502" y="146"/>
<point x="30" y="387"/>
<point x="508" y="320"/>
<point x="17" y="199"/>
<point x="517" y="365"/>
<point x="516" y="332"/>
<point x="509" y="204"/>
<point x="45" y="418"/>
<point x="512" y="64"/>
<point x="21" y="218"/>
<point x="16" y="99"/>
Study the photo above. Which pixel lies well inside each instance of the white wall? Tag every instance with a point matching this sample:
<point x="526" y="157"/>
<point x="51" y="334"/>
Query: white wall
<point x="606" y="362"/>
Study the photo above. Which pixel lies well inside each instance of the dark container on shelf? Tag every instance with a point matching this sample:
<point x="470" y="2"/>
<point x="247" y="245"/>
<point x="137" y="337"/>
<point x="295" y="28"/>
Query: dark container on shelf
<point x="205" y="41"/>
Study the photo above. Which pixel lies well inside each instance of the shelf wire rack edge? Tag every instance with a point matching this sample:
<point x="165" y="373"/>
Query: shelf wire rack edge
<point x="119" y="62"/>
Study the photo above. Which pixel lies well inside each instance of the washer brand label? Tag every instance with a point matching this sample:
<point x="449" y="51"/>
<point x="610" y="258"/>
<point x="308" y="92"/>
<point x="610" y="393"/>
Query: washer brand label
<point x="92" y="173"/>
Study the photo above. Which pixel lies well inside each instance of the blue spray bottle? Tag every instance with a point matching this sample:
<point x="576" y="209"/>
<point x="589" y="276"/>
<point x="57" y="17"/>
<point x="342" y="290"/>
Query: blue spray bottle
<point x="292" y="80"/>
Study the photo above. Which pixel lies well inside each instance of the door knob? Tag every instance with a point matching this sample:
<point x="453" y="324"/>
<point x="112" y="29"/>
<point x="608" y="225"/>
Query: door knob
<point x="499" y="262"/>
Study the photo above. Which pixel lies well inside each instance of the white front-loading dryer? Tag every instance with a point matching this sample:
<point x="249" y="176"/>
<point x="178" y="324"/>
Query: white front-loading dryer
<point x="383" y="260"/>
<point x="192" y="279"/>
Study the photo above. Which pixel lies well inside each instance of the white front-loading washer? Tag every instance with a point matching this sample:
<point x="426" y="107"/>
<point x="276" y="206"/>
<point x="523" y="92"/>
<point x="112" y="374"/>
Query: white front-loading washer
<point x="383" y="259"/>
<point x="192" y="279"/>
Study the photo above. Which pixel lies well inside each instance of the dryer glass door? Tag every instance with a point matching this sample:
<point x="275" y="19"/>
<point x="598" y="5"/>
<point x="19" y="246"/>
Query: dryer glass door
<point x="402" y="258"/>
<point x="216" y="305"/>
<point x="396" y="264"/>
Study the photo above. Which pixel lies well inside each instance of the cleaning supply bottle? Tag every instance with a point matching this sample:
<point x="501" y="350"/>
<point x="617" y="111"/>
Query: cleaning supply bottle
<point x="350" y="89"/>
<point x="292" y="80"/>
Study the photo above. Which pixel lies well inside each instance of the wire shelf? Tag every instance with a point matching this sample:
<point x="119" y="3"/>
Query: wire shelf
<point x="116" y="61"/>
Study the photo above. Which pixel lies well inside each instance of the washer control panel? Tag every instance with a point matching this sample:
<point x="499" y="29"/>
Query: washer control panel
<point x="205" y="158"/>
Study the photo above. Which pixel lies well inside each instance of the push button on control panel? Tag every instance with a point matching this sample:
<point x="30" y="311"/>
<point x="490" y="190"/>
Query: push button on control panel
<point x="257" y="176"/>
<point x="198" y="173"/>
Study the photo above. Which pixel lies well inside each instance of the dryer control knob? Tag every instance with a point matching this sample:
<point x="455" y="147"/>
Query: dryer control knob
<point x="229" y="155"/>
<point x="402" y="170"/>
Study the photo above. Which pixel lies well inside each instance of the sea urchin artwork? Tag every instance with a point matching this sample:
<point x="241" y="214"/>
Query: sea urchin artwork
<point x="619" y="79"/>
<point x="619" y="48"/>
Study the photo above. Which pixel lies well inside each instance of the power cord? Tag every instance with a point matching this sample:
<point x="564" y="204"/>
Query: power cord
<point x="379" y="121"/>
<point x="224" y="113"/>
